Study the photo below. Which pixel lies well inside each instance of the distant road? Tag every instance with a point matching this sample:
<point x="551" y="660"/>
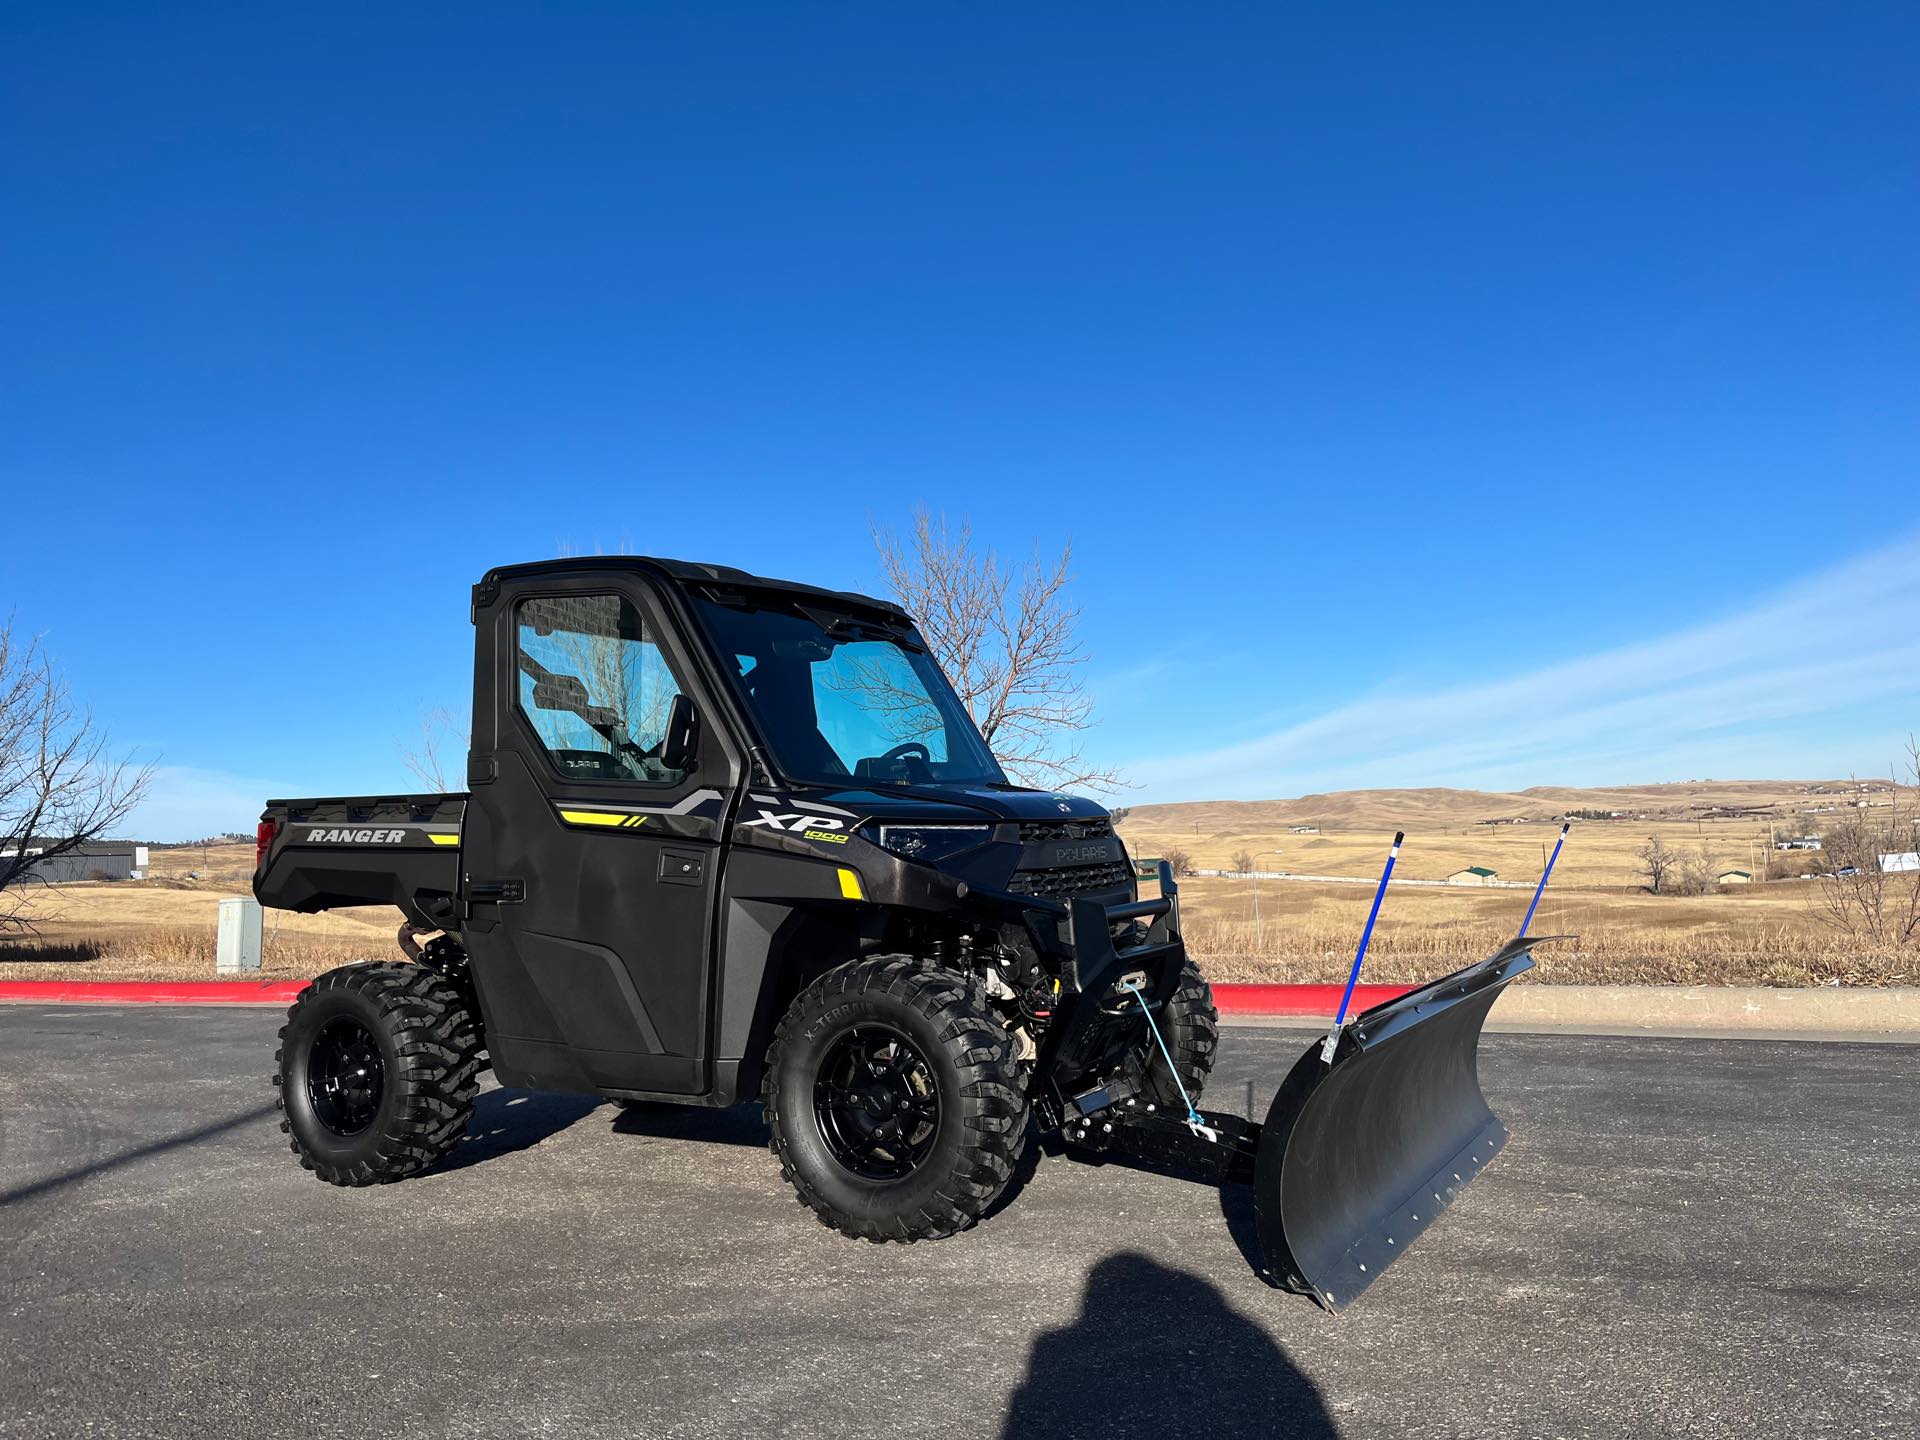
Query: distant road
<point x="1358" y="880"/>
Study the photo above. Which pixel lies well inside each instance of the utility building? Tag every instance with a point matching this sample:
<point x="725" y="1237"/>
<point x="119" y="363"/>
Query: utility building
<point x="95" y="860"/>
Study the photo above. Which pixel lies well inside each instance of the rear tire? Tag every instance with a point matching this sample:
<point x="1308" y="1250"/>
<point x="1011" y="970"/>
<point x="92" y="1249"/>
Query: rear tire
<point x="376" y="1072"/>
<point x="1191" y="1027"/>
<point x="896" y="1106"/>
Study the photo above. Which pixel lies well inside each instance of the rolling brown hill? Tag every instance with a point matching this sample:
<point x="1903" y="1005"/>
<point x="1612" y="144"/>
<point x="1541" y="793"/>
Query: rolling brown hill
<point x="1413" y="809"/>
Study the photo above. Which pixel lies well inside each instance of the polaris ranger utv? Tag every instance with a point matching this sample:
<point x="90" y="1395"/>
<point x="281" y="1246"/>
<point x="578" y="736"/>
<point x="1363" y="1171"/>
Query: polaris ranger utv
<point x="729" y="838"/>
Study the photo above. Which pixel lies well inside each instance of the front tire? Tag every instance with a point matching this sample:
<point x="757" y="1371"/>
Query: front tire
<point x="1191" y="1027"/>
<point x="377" y="1069"/>
<point x="897" y="1109"/>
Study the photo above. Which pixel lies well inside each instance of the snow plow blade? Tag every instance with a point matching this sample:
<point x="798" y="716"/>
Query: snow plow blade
<point x="1359" y="1156"/>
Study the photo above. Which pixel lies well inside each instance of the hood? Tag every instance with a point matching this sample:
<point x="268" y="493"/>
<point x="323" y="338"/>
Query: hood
<point x="957" y="803"/>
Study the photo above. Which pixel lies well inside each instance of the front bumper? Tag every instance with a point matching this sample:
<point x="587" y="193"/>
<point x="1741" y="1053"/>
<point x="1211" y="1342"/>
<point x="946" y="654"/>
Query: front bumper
<point x="1095" y="1025"/>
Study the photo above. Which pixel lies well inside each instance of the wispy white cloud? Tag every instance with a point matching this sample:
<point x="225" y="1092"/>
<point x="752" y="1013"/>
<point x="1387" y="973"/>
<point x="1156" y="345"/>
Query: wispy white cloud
<point x="1846" y="640"/>
<point x="187" y="803"/>
<point x="1180" y="658"/>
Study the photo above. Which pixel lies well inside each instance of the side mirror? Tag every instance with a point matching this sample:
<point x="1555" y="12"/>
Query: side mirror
<point x="678" y="745"/>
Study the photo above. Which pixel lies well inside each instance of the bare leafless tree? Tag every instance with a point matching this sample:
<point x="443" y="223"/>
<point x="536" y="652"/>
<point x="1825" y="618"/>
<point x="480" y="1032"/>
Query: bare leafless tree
<point x="1243" y="861"/>
<point x="1697" y="873"/>
<point x="1871" y="894"/>
<point x="1179" y="859"/>
<point x="1657" y="863"/>
<point x="60" y="788"/>
<point x="1006" y="635"/>
<point x="443" y="744"/>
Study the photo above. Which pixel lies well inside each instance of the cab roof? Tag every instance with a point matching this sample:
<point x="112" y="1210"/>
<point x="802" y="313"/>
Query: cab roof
<point x="682" y="572"/>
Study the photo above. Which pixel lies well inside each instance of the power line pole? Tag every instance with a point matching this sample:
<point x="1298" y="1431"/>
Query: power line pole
<point x="1256" y="905"/>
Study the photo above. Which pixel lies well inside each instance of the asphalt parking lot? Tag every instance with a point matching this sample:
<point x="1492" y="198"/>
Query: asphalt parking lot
<point x="1685" y="1238"/>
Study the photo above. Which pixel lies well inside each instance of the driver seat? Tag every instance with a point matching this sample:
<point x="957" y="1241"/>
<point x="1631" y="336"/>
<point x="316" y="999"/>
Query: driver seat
<point x="783" y="689"/>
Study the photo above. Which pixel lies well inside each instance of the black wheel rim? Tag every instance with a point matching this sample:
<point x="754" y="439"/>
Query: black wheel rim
<point x="877" y="1103"/>
<point x="345" y="1076"/>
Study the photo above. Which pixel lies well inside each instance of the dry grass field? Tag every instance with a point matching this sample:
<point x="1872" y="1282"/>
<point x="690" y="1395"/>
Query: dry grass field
<point x="1445" y="829"/>
<point x="1766" y="933"/>
<point x="1309" y="931"/>
<point x="162" y="928"/>
<point x="1761" y="933"/>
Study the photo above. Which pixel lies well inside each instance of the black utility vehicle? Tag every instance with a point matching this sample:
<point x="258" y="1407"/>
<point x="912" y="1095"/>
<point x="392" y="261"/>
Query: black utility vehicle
<point x="728" y="838"/>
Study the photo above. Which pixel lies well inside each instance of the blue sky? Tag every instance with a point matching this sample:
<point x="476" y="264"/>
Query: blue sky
<point x="1488" y="397"/>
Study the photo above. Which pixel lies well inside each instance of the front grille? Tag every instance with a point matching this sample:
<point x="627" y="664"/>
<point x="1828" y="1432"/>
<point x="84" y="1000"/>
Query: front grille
<point x="1033" y="832"/>
<point x="1072" y="880"/>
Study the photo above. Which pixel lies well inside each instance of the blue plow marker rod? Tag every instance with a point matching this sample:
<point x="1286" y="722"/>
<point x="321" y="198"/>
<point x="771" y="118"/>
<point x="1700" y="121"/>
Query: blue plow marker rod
<point x="1541" y="888"/>
<point x="1367" y="934"/>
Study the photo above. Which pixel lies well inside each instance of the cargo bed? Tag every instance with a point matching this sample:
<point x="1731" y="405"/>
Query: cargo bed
<point x="327" y="852"/>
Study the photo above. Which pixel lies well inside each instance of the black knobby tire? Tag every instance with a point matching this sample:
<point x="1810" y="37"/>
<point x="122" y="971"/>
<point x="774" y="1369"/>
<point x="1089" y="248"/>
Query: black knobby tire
<point x="376" y="1072"/>
<point x="1191" y="1027"/>
<point x="944" y="1171"/>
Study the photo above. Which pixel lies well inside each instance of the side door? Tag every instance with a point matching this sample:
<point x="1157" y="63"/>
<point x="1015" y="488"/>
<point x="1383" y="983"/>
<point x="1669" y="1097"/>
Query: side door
<point x="591" y="866"/>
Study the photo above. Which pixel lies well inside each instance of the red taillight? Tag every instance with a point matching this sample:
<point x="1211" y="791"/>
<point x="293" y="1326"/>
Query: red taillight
<point x="262" y="842"/>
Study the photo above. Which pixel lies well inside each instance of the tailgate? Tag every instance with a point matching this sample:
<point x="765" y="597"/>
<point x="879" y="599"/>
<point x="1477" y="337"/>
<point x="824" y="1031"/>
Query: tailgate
<point x="401" y="850"/>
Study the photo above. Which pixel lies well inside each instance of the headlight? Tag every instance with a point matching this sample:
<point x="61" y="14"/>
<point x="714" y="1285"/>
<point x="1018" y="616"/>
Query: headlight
<point x="930" y="843"/>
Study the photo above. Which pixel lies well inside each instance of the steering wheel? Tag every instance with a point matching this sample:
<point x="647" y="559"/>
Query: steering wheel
<point x="900" y="752"/>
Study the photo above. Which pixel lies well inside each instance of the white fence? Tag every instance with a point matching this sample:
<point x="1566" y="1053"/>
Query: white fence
<point x="1356" y="879"/>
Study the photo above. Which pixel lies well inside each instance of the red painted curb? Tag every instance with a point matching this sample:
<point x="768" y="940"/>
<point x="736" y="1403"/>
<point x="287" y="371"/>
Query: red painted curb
<point x="1318" y="1002"/>
<point x="152" y="992"/>
<point x="1308" y="1001"/>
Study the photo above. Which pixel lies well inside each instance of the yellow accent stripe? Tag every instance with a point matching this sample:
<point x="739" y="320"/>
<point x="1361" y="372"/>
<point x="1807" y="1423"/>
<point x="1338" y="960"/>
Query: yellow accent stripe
<point x="850" y="885"/>
<point x="444" y="839"/>
<point x="601" y="817"/>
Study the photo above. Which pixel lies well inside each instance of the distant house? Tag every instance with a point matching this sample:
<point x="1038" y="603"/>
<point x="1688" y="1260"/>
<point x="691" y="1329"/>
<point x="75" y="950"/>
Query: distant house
<point x="1472" y="875"/>
<point x="95" y="860"/>
<point x="1799" y="842"/>
<point x="1735" y="877"/>
<point x="1303" y="829"/>
<point x="1905" y="860"/>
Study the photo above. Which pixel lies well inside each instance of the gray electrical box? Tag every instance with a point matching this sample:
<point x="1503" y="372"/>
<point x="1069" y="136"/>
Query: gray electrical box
<point x="239" y="949"/>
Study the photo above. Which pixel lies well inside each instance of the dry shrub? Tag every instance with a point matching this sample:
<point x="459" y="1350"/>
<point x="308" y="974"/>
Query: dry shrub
<point x="176" y="954"/>
<point x="35" y="951"/>
<point x="1623" y="955"/>
<point x="1292" y="950"/>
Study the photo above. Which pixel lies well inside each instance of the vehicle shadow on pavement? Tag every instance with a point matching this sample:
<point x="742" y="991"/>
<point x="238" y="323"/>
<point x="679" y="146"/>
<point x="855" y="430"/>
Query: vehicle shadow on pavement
<point x="1159" y="1351"/>
<point x="1243" y="1224"/>
<point x="1024" y="1169"/>
<point x="505" y="1121"/>
<point x="1236" y="1196"/>
<point x="51" y="1183"/>
<point x="731" y="1125"/>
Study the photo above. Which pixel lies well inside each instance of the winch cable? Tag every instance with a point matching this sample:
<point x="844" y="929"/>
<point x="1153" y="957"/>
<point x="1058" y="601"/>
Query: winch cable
<point x="1194" y="1120"/>
<point x="1353" y="976"/>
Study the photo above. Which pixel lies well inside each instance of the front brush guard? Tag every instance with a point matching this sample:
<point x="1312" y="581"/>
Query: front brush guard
<point x="1076" y="1037"/>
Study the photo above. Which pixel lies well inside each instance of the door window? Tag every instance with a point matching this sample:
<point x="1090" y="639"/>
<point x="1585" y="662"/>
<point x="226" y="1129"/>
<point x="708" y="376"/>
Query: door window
<point x="595" y="687"/>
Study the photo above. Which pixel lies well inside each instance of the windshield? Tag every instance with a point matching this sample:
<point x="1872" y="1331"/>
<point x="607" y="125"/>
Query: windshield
<point x="840" y="697"/>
